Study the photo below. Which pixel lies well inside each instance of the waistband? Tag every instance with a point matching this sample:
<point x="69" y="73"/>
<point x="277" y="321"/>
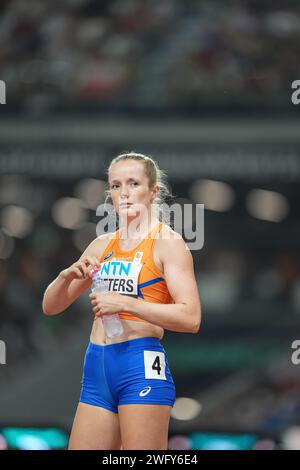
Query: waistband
<point x="136" y="343"/>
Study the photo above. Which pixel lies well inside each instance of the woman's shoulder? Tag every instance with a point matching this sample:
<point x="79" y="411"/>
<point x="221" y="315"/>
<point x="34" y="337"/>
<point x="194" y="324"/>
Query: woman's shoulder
<point x="99" y="244"/>
<point x="168" y="239"/>
<point x="106" y="236"/>
<point x="167" y="233"/>
<point x="168" y="243"/>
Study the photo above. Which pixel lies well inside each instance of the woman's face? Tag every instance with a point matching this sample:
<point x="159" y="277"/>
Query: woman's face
<point x="129" y="188"/>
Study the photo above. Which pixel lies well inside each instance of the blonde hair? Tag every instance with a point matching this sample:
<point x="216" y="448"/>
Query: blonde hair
<point x="156" y="177"/>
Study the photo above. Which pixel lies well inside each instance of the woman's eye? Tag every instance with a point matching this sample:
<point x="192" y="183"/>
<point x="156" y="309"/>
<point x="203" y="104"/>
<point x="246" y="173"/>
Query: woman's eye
<point x="116" y="186"/>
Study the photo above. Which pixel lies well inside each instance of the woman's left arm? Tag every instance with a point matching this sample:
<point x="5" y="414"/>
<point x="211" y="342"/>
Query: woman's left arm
<point x="185" y="314"/>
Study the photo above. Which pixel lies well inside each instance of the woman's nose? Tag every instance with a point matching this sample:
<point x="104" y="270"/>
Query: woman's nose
<point x="124" y="192"/>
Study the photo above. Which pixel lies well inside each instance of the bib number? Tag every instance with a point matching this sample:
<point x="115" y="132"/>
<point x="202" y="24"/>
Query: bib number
<point x="122" y="275"/>
<point x="155" y="365"/>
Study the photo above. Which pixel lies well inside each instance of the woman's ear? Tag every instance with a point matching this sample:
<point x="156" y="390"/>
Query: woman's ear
<point x="155" y="191"/>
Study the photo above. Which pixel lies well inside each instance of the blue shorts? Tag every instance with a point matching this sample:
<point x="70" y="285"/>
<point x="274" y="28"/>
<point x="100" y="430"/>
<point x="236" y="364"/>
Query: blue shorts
<point x="134" y="371"/>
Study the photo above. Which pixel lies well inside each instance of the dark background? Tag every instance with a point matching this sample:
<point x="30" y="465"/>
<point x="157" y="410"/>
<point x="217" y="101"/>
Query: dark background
<point x="205" y="87"/>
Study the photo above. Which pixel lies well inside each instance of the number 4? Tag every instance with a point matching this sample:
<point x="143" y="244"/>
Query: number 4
<point x="156" y="365"/>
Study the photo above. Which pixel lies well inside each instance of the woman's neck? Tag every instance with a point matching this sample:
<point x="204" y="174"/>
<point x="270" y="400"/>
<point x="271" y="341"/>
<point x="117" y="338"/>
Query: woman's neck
<point x="137" y="229"/>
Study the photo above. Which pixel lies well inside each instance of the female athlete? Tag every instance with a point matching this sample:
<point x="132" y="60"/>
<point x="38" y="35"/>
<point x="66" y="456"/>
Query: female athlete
<point x="127" y="388"/>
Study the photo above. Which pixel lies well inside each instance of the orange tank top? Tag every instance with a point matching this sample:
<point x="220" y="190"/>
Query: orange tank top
<point x="134" y="272"/>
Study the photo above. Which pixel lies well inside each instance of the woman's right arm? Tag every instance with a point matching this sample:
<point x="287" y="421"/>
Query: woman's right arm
<point x="74" y="280"/>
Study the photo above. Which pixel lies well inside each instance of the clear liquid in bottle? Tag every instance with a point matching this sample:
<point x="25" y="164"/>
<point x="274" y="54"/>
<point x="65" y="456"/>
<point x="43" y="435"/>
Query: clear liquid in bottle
<point x="111" y="323"/>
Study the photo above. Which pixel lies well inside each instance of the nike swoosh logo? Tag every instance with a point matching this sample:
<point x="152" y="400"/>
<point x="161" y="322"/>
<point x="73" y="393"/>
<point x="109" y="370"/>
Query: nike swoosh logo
<point x="145" y="392"/>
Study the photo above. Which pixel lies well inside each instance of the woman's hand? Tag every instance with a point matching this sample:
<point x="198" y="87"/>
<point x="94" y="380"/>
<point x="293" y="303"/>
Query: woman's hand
<point x="80" y="269"/>
<point x="107" y="303"/>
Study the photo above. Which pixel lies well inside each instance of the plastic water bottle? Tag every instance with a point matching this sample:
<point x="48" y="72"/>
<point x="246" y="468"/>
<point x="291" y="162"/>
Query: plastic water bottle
<point x="111" y="323"/>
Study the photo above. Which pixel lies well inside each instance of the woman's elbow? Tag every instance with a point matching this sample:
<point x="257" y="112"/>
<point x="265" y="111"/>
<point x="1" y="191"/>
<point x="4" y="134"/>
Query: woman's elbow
<point x="195" y="328"/>
<point x="196" y="323"/>
<point x="49" y="311"/>
<point x="46" y="311"/>
<point x="44" y="308"/>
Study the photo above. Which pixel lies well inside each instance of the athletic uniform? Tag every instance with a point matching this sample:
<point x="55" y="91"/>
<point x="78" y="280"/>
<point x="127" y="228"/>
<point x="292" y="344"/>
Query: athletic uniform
<point x="134" y="371"/>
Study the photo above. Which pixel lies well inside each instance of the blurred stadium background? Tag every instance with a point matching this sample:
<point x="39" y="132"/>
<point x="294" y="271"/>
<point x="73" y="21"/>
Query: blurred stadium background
<point x="205" y="88"/>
